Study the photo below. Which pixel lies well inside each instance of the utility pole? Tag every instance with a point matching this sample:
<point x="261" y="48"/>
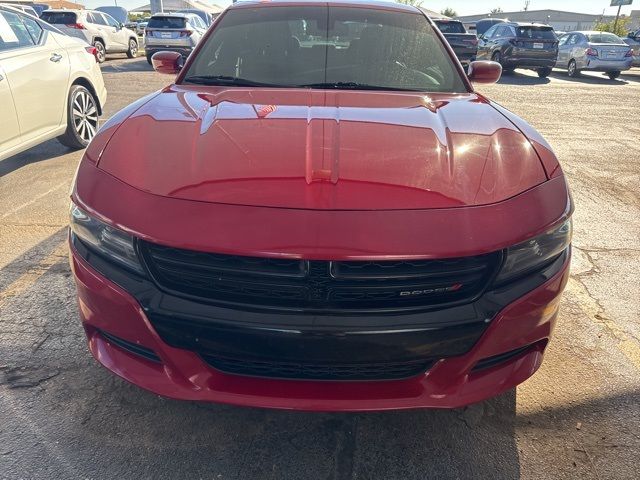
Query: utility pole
<point x="615" y="24"/>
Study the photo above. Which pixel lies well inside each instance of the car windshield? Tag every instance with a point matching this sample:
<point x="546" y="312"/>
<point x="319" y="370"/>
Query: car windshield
<point x="325" y="47"/>
<point x="167" y="22"/>
<point x="536" y="33"/>
<point x="59" y="18"/>
<point x="446" y="26"/>
<point x="604" y="38"/>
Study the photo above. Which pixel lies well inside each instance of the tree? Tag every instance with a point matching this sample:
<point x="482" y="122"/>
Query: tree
<point x="496" y="10"/>
<point x="620" y="29"/>
<point x="414" y="3"/>
<point x="449" y="12"/>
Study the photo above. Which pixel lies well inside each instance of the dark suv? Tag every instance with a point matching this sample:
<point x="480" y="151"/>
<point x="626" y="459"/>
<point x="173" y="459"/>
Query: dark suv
<point x="520" y="45"/>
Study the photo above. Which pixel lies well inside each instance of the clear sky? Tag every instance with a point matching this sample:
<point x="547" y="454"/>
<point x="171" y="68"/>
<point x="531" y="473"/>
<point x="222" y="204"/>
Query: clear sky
<point x="462" y="7"/>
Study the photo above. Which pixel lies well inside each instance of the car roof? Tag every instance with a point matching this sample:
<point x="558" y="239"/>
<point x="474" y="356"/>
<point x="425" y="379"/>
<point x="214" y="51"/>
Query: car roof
<point x="590" y="32"/>
<point x="173" y="14"/>
<point x="528" y="24"/>
<point x="387" y="5"/>
<point x="59" y="10"/>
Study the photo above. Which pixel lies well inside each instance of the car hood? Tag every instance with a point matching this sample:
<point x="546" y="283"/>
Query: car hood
<point x="315" y="149"/>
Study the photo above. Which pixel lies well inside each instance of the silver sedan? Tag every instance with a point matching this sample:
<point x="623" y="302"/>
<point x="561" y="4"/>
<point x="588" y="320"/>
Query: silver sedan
<point x="594" y="51"/>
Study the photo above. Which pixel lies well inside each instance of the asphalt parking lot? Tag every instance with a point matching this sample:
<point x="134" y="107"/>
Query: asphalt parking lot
<point x="63" y="416"/>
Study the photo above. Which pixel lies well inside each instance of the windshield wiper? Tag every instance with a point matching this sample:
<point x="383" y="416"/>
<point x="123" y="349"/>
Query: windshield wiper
<point x="229" y="80"/>
<point x="353" y="86"/>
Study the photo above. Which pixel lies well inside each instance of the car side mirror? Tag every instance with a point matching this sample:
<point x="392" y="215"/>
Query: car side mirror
<point x="483" y="71"/>
<point x="167" y="62"/>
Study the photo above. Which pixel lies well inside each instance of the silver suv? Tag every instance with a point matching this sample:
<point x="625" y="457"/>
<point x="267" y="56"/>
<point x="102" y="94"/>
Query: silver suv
<point x="176" y="32"/>
<point x="96" y="28"/>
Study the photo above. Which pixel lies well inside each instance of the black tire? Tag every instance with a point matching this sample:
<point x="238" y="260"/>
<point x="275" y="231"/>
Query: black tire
<point x="82" y="118"/>
<point x="544" y="72"/>
<point x="101" y="53"/>
<point x="613" y="75"/>
<point x="496" y="57"/>
<point x="133" y="48"/>
<point x="572" y="69"/>
<point x="149" y="58"/>
<point x="508" y="71"/>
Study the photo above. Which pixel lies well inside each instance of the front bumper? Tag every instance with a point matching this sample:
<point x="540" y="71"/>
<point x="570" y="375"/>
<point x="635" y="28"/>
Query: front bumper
<point x="523" y="327"/>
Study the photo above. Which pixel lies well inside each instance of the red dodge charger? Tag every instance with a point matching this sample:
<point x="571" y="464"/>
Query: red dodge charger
<point x="322" y="214"/>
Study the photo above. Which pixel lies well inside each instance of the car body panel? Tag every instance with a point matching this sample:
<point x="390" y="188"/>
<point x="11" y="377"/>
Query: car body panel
<point x="516" y="51"/>
<point x="321" y="234"/>
<point x="447" y="151"/>
<point x="610" y="56"/>
<point x="97" y="26"/>
<point x="172" y="39"/>
<point x="315" y="177"/>
<point x="9" y="127"/>
<point x="465" y="45"/>
<point x="36" y="81"/>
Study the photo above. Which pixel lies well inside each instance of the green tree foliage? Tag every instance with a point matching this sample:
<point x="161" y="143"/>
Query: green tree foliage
<point x="496" y="10"/>
<point x="415" y="3"/>
<point x="620" y="29"/>
<point x="449" y="12"/>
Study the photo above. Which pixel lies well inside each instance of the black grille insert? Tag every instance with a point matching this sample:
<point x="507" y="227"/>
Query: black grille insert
<point x="131" y="347"/>
<point x="321" y="286"/>
<point x="316" y="371"/>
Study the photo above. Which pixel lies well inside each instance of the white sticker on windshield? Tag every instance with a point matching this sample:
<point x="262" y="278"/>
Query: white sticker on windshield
<point x="7" y="35"/>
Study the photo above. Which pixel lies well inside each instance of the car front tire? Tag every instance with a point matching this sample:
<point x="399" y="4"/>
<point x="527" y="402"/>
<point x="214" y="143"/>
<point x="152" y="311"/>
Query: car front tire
<point x="82" y="118"/>
<point x="613" y="75"/>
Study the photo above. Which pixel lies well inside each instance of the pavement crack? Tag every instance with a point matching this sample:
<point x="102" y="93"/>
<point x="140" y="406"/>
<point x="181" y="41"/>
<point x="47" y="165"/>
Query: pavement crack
<point x="23" y="377"/>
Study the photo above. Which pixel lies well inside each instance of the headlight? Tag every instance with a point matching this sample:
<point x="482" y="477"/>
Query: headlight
<point x="105" y="240"/>
<point x="533" y="254"/>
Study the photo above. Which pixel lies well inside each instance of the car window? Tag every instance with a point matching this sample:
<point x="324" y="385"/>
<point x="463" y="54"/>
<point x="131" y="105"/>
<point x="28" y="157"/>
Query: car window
<point x="536" y="33"/>
<point x="59" y="18"/>
<point x="574" y="39"/>
<point x="167" y="22"/>
<point x="344" y="47"/>
<point x="564" y="40"/>
<point x="603" y="37"/>
<point x="98" y="18"/>
<point x="491" y="32"/>
<point x="13" y="33"/>
<point x="111" y="21"/>
<point x="447" y="26"/>
<point x="34" y="29"/>
<point x="503" y="32"/>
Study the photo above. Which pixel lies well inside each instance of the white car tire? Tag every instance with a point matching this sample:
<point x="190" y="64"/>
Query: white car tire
<point x="82" y="118"/>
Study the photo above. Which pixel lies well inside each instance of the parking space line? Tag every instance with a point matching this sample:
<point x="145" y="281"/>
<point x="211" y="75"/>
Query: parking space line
<point x="33" y="200"/>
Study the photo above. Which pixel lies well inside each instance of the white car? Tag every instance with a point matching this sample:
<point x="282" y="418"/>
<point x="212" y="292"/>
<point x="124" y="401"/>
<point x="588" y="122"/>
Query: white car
<point x="50" y="85"/>
<point x="96" y="28"/>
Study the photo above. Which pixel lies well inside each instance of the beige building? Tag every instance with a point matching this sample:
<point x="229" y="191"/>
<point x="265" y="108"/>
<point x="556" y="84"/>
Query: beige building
<point x="558" y="19"/>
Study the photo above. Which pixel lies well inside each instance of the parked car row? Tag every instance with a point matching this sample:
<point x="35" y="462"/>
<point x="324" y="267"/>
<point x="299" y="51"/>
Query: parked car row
<point x="538" y="47"/>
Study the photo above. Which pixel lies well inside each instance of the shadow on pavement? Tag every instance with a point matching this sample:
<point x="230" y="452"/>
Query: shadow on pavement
<point x="45" y="151"/>
<point x="138" y="64"/>
<point x="515" y="78"/>
<point x="593" y="78"/>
